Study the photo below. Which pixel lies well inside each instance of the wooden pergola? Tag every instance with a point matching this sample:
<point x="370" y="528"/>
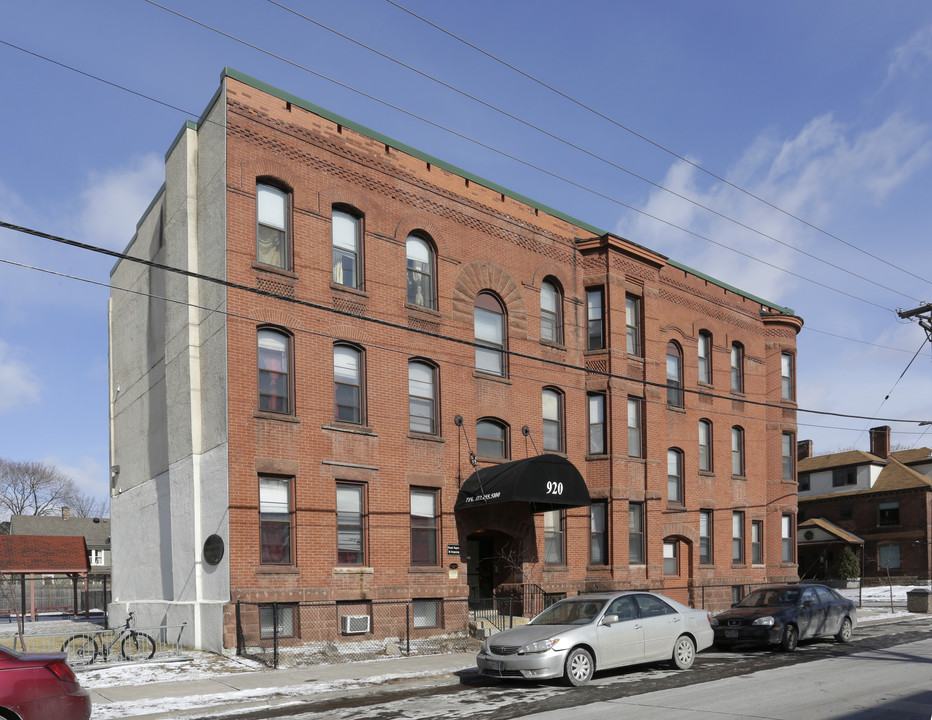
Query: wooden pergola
<point x="29" y="555"/>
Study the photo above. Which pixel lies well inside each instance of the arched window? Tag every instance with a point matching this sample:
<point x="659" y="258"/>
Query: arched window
<point x="492" y="438"/>
<point x="489" y="319"/>
<point x="674" y="375"/>
<point x="705" y="357"/>
<point x="737" y="367"/>
<point x="552" y="401"/>
<point x="420" y="271"/>
<point x="675" y="476"/>
<point x="551" y="312"/>
<point x="348" y="384"/>
<point x="274" y="371"/>
<point x="737" y="451"/>
<point x="347" y="248"/>
<point x="422" y="397"/>
<point x="273" y="246"/>
<point x="705" y="445"/>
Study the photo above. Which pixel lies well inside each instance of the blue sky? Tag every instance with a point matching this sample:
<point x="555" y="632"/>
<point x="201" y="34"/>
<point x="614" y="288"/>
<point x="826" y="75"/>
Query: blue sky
<point x="821" y="109"/>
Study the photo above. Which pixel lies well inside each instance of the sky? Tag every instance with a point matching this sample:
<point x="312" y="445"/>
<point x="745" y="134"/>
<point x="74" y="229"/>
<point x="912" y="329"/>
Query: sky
<point x="782" y="148"/>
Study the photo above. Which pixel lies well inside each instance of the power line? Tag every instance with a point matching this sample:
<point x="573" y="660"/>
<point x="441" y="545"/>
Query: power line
<point x="583" y="150"/>
<point x="400" y="327"/>
<point x="490" y="148"/>
<point x="656" y="144"/>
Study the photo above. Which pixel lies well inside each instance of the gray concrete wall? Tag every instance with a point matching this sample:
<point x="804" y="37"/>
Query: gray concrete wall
<point x="169" y="419"/>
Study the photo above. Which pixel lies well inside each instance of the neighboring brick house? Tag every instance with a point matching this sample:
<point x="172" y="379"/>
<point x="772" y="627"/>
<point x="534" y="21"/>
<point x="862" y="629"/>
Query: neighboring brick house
<point x="877" y="502"/>
<point x="95" y="531"/>
<point x="303" y="430"/>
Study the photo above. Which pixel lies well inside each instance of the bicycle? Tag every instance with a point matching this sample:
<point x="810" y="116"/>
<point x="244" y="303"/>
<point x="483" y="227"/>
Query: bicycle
<point x="83" y="649"/>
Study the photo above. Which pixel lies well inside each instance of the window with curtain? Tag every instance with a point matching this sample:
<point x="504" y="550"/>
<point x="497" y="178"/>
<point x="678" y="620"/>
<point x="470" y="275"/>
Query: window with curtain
<point x="636" y="533"/>
<point x="705" y="445"/>
<point x="597" y="430"/>
<point x="674" y="375"/>
<point x="705" y="537"/>
<point x="351" y="535"/>
<point x="787" y="538"/>
<point x="347" y="251"/>
<point x="554" y="538"/>
<point x="670" y="558"/>
<point x="737" y="537"/>
<point x="274" y="352"/>
<point x="595" y="319"/>
<point x="422" y="398"/>
<point x="552" y="402"/>
<point x="420" y="272"/>
<point x="272" y="227"/>
<point x="787" y="377"/>
<point x="489" y="322"/>
<point x="348" y="384"/>
<point x="491" y="439"/>
<point x="705" y="357"/>
<point x="425" y="533"/>
<point x="551" y="313"/>
<point x="275" y="521"/>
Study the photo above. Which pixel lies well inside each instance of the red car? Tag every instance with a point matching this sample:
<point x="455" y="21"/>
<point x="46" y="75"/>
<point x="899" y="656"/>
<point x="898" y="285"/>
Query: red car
<point x="40" y="686"/>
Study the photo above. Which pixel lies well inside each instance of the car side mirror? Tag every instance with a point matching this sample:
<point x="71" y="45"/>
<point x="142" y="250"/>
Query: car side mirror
<point x="609" y="619"/>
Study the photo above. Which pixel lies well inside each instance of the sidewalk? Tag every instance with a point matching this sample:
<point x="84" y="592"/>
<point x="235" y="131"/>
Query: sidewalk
<point x="242" y="691"/>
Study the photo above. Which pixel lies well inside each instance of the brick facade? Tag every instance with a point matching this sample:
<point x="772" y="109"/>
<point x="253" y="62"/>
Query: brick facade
<point x="484" y="239"/>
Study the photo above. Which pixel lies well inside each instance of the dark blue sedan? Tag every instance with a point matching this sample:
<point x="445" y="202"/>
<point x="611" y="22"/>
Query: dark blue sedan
<point x="782" y="615"/>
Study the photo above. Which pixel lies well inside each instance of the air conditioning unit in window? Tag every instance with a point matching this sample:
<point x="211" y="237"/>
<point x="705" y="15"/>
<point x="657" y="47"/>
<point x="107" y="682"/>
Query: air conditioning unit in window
<point x="354" y="624"/>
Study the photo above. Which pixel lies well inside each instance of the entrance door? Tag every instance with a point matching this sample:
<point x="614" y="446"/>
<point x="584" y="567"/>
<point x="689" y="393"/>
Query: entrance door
<point x="480" y="566"/>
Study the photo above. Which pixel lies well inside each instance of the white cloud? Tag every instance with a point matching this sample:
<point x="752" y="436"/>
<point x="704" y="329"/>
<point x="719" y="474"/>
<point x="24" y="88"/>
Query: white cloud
<point x="115" y="201"/>
<point x="912" y="55"/>
<point x="18" y="384"/>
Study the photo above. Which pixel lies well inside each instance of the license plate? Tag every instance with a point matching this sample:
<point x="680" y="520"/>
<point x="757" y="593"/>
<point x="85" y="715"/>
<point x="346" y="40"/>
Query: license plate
<point x="731" y="633"/>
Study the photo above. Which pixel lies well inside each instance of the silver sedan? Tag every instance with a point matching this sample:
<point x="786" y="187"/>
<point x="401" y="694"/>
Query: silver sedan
<point x="577" y="636"/>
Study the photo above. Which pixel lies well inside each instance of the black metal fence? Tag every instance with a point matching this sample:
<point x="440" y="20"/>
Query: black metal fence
<point x="295" y="634"/>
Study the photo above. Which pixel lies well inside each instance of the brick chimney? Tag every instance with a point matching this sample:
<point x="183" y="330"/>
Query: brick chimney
<point x="803" y="449"/>
<point x="65" y="512"/>
<point x="880" y="441"/>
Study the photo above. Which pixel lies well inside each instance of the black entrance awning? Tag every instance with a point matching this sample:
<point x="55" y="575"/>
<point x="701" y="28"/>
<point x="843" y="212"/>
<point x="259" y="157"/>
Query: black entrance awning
<point x="544" y="482"/>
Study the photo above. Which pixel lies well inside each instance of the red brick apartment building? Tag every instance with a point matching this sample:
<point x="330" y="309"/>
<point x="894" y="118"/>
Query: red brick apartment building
<point x="387" y="325"/>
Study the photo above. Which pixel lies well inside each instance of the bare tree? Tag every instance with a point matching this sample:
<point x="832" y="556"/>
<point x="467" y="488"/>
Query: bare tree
<point x="33" y="488"/>
<point x="88" y="506"/>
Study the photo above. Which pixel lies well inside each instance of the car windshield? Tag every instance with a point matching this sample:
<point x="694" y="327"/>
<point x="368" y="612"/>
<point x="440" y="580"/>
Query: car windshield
<point x="769" y="597"/>
<point x="570" y="612"/>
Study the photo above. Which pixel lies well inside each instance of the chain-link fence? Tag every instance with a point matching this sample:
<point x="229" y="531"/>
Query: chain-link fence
<point x="53" y="596"/>
<point x="294" y="634"/>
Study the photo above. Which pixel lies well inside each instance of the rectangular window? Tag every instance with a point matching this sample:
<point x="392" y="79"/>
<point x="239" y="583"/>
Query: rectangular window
<point x="737" y="451"/>
<point x="633" y="324"/>
<point x="787" y="377"/>
<point x="274" y="353"/>
<point x="597" y="432"/>
<point x="275" y="521"/>
<point x="351" y="526"/>
<point x="804" y="482"/>
<point x="97" y="557"/>
<point x="670" y="561"/>
<point x="844" y="476"/>
<point x="674" y="476"/>
<point x="598" y="533"/>
<point x="346" y="249"/>
<point x="426" y="613"/>
<point x="705" y="446"/>
<point x="787" y="535"/>
<point x="636" y="533"/>
<point x="705" y="537"/>
<point x="737" y="538"/>
<point x="553" y="538"/>
<point x="424" y="527"/>
<point x="422" y="401"/>
<point x="705" y="357"/>
<point x="737" y="368"/>
<point x="635" y="433"/>
<point x="757" y="542"/>
<point x="277" y="621"/>
<point x="552" y="410"/>
<point x="888" y="557"/>
<point x="888" y="513"/>
<point x="596" y="319"/>
<point x="272" y="226"/>
<point x="789" y="456"/>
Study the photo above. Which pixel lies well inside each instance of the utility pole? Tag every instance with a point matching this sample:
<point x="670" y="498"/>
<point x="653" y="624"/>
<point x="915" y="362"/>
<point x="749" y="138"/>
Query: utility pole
<point x="924" y="315"/>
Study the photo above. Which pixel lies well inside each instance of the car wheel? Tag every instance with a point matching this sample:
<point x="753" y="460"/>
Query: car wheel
<point x="684" y="652"/>
<point x="579" y="667"/>
<point x="844" y="633"/>
<point x="790" y="639"/>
